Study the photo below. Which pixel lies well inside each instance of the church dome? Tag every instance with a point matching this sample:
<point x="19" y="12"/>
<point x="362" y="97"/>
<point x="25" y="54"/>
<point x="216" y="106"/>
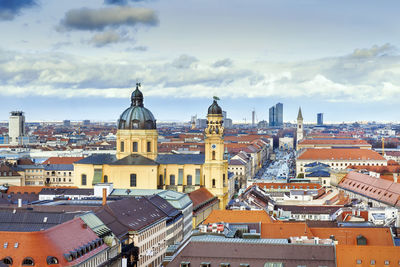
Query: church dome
<point x="215" y="109"/>
<point x="136" y="116"/>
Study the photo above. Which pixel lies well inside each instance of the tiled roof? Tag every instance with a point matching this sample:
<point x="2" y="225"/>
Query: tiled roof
<point x="200" y="196"/>
<point x="238" y="216"/>
<point x="285" y="230"/>
<point x="347" y="236"/>
<point x="288" y="185"/>
<point x="308" y="209"/>
<point x="98" y="159"/>
<point x="236" y="162"/>
<point x="375" y="188"/>
<point x="55" y="242"/>
<point x="62" y="160"/>
<point x="334" y="141"/>
<point x="347" y="255"/>
<point x="318" y="174"/>
<point x="180" y="159"/>
<point x="340" y="154"/>
<point x="134" y="159"/>
<point x="59" y="167"/>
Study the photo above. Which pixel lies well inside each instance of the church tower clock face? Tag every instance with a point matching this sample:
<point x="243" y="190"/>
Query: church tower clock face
<point x="213" y="146"/>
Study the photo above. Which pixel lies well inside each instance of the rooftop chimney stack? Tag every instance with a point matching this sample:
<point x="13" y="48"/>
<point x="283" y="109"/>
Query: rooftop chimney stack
<point x="104" y="197"/>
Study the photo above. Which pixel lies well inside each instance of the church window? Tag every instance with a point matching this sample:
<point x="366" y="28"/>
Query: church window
<point x="224" y="179"/>
<point x="135" y="147"/>
<point x="197" y="176"/>
<point x="299" y="126"/>
<point x="213" y="183"/>
<point x="83" y="179"/>
<point x="133" y="180"/>
<point x="122" y="146"/>
<point x="148" y="146"/>
<point x="213" y="155"/>
<point x="172" y="179"/>
<point x="189" y="180"/>
<point x="161" y="180"/>
<point x="105" y="179"/>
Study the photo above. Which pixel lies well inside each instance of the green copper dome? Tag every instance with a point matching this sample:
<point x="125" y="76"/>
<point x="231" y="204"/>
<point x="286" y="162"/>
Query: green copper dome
<point x="136" y="116"/>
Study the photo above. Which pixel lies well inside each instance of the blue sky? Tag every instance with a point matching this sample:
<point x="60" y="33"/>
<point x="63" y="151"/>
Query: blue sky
<point x="81" y="59"/>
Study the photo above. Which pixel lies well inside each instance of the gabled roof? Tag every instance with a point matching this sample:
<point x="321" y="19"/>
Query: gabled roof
<point x="200" y="197"/>
<point x="98" y="159"/>
<point x="62" y="160"/>
<point x="238" y="216"/>
<point x="318" y="174"/>
<point x="134" y="159"/>
<point x="180" y="159"/>
<point x="340" y="154"/>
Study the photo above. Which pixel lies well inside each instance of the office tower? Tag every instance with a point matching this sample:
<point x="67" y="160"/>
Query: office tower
<point x="320" y="118"/>
<point x="276" y="115"/>
<point x="272" y="116"/>
<point x="253" y="118"/>
<point x="279" y="114"/>
<point x="67" y="123"/>
<point x="16" y="127"/>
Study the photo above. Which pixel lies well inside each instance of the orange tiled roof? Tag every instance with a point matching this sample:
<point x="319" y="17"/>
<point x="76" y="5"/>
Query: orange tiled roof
<point x="62" y="160"/>
<point x="347" y="255"/>
<point x="340" y="154"/>
<point x="335" y="141"/>
<point x="288" y="185"/>
<point x="200" y="196"/>
<point x="238" y="216"/>
<point x="285" y="230"/>
<point x="347" y="236"/>
<point x="54" y="241"/>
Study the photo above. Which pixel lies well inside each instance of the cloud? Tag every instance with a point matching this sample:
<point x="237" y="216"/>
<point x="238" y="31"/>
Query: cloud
<point x="184" y="62"/>
<point x="105" y="38"/>
<point x="120" y="2"/>
<point x="375" y="51"/>
<point x="346" y="79"/>
<point x="113" y="17"/>
<point x="223" y="63"/>
<point x="11" y="8"/>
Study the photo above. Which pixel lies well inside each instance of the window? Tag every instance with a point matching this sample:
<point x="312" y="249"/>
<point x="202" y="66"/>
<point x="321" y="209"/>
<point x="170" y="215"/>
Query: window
<point x="134" y="147"/>
<point x="205" y="264"/>
<point x="372" y="262"/>
<point x="213" y="183"/>
<point x="223" y="179"/>
<point x="51" y="260"/>
<point x="83" y="178"/>
<point x="122" y="147"/>
<point x="148" y="146"/>
<point x="8" y="260"/>
<point x="358" y="261"/>
<point x="225" y="264"/>
<point x="189" y="180"/>
<point x="133" y="179"/>
<point x="387" y="262"/>
<point x="161" y="180"/>
<point x="105" y="180"/>
<point x="172" y="179"/>
<point x="185" y="264"/>
<point x="213" y="155"/>
<point x="28" y="262"/>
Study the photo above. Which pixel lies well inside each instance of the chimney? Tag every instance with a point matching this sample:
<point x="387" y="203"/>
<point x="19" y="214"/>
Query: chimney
<point x="19" y="202"/>
<point x="104" y="196"/>
<point x="395" y="177"/>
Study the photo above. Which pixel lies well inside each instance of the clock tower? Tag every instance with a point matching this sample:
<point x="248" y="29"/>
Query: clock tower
<point x="215" y="167"/>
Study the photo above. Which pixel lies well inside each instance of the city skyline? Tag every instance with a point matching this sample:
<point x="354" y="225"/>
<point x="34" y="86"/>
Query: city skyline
<point x="69" y="60"/>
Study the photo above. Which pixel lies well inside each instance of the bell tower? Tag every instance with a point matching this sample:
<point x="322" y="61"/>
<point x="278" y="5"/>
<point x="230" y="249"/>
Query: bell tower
<point x="300" y="130"/>
<point x="215" y="167"/>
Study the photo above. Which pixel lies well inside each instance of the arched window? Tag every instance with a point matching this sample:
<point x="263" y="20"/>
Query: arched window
<point x="28" y="261"/>
<point x="122" y="146"/>
<point x="83" y="179"/>
<point x="105" y="180"/>
<point x="134" y="147"/>
<point x="189" y="180"/>
<point x="148" y="146"/>
<point x="133" y="180"/>
<point x="161" y="180"/>
<point x="172" y="179"/>
<point x="213" y="155"/>
<point x="223" y="179"/>
<point x="51" y="260"/>
<point x="7" y="260"/>
<point x="213" y="182"/>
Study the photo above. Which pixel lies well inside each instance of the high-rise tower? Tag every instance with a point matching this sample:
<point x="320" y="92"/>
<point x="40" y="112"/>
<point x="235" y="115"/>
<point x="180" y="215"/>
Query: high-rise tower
<point x="215" y="165"/>
<point x="16" y="127"/>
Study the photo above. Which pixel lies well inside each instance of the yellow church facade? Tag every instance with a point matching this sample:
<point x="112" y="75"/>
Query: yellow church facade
<point x="137" y="164"/>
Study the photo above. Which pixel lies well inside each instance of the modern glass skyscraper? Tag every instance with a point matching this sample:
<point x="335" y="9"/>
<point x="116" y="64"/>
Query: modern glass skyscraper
<point x="276" y="115"/>
<point x="320" y="118"/>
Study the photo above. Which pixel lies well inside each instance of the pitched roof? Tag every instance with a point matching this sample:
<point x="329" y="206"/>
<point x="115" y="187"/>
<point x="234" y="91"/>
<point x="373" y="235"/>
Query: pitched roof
<point x="98" y="159"/>
<point x="180" y="159"/>
<point x="61" y="160"/>
<point x="55" y="242"/>
<point x="340" y="154"/>
<point x="238" y="216"/>
<point x="200" y="197"/>
<point x="334" y="141"/>
<point x="134" y="159"/>
<point x="347" y="255"/>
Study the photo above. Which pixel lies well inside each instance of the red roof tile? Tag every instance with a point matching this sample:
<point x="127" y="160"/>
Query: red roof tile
<point x="62" y="160"/>
<point x="340" y="154"/>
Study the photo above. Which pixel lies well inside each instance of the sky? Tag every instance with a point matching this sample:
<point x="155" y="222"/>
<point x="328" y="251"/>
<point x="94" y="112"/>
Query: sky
<point x="71" y="59"/>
